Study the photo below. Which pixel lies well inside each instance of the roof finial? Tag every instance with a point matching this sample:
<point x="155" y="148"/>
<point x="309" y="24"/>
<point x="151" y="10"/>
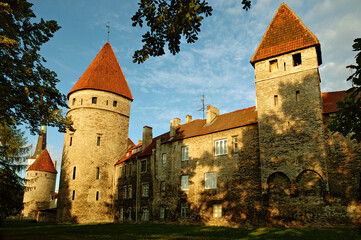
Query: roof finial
<point x="108" y="26"/>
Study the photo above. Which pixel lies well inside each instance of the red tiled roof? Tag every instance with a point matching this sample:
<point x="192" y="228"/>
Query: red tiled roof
<point x="330" y="100"/>
<point x="104" y="74"/>
<point x="43" y="163"/>
<point x="285" y="33"/>
<point x="223" y="122"/>
<point x="128" y="154"/>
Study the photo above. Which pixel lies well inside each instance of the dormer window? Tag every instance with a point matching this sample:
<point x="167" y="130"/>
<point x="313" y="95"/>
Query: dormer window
<point x="297" y="59"/>
<point x="94" y="100"/>
<point x="273" y="65"/>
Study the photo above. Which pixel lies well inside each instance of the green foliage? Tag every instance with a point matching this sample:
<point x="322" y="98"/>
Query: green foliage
<point x="13" y="152"/>
<point x="28" y="91"/>
<point x="168" y="21"/>
<point x="348" y="119"/>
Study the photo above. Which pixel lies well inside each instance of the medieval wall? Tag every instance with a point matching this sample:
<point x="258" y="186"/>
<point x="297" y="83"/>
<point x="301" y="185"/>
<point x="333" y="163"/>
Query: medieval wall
<point x="89" y="154"/>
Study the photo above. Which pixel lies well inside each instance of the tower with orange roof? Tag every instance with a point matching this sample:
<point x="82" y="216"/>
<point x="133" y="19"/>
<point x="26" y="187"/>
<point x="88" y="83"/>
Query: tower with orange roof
<point x="99" y="105"/>
<point x="40" y="179"/>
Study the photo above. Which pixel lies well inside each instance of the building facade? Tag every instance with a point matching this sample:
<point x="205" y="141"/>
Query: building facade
<point x="272" y="164"/>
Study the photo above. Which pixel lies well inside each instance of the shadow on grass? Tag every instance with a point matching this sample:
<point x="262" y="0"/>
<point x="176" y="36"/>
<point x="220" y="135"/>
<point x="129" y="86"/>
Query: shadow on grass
<point x="26" y="230"/>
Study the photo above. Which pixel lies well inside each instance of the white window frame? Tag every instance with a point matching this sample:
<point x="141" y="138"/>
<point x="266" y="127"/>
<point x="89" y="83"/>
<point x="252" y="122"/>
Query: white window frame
<point x="185" y="182"/>
<point x="210" y="180"/>
<point x="164" y="158"/>
<point x="145" y="214"/>
<point x="162" y="186"/>
<point x="162" y="212"/>
<point x="235" y="144"/>
<point x="141" y="166"/>
<point x="185" y="153"/>
<point x="220" y="147"/>
<point x="145" y="189"/>
<point x="130" y="191"/>
<point x="185" y="210"/>
<point x="125" y="192"/>
<point x="217" y="210"/>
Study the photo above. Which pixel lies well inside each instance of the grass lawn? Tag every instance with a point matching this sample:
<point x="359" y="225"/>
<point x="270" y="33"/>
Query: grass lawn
<point x="25" y="230"/>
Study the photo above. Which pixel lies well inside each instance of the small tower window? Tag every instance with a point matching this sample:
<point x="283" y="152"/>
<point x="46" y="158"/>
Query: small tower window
<point x="115" y="103"/>
<point x="106" y="103"/>
<point x="297" y="59"/>
<point x="275" y="99"/>
<point x="284" y="66"/>
<point x="94" y="100"/>
<point x="73" y="101"/>
<point x="71" y="141"/>
<point x="73" y="197"/>
<point x="98" y="141"/>
<point x="97" y="196"/>
<point x="74" y="172"/>
<point x="81" y="101"/>
<point x="273" y="65"/>
<point x="297" y="95"/>
<point x="97" y="175"/>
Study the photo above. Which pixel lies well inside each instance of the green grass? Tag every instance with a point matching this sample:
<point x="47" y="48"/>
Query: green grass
<point x="26" y="230"/>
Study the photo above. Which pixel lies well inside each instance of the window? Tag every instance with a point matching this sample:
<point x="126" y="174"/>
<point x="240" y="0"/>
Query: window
<point x="73" y="101"/>
<point x="284" y="66"/>
<point x="121" y="213"/>
<point x="210" y="181"/>
<point x="71" y="141"/>
<point x="115" y="103"/>
<point x="297" y="95"/>
<point x="73" y="197"/>
<point x="162" y="186"/>
<point x="164" y="158"/>
<point x="125" y="192"/>
<point x="130" y="191"/>
<point x="130" y="214"/>
<point x="145" y="216"/>
<point x="97" y="196"/>
<point x="273" y="65"/>
<point x="162" y="213"/>
<point x="185" y="210"/>
<point x="97" y="174"/>
<point x="221" y="147"/>
<point x="145" y="189"/>
<point x="297" y="59"/>
<point x="94" y="100"/>
<point x="74" y="171"/>
<point x="217" y="210"/>
<point x="185" y="153"/>
<point x="98" y="141"/>
<point x="185" y="182"/>
<point x="106" y="102"/>
<point x="235" y="144"/>
<point x="125" y="170"/>
<point x="143" y="166"/>
<point x="130" y="169"/>
<point x="275" y="99"/>
<point x="81" y="101"/>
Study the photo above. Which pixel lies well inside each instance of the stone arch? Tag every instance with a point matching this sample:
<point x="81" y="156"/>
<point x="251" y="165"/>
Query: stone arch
<point x="279" y="185"/>
<point x="310" y="183"/>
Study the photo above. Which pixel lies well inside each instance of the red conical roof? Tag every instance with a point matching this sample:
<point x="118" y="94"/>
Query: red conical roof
<point x="43" y="163"/>
<point x="285" y="33"/>
<point x="104" y="74"/>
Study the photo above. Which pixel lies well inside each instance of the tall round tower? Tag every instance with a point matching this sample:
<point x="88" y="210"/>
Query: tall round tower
<point x="99" y="105"/>
<point x="40" y="179"/>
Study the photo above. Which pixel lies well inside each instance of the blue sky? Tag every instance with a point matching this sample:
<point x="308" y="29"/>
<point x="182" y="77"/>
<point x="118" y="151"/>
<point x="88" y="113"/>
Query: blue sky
<point x="216" y="66"/>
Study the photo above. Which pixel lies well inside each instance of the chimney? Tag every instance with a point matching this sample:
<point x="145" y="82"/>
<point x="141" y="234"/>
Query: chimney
<point x="173" y="126"/>
<point x="188" y="118"/>
<point x="212" y="113"/>
<point x="139" y="142"/>
<point x="55" y="164"/>
<point x="147" y="136"/>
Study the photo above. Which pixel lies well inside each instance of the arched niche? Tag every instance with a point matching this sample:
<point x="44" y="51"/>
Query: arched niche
<point x="279" y="185"/>
<point x="309" y="183"/>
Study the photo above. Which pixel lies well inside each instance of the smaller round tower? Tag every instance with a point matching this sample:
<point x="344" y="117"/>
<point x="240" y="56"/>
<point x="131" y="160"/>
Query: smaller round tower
<point x="40" y="180"/>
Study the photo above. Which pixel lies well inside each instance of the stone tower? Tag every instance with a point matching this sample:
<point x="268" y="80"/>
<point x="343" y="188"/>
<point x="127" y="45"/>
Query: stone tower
<point x="40" y="179"/>
<point x="99" y="105"/>
<point x="289" y="106"/>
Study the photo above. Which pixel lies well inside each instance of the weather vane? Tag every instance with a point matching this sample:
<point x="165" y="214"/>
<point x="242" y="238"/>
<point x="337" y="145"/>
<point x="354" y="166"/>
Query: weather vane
<point x="108" y="26"/>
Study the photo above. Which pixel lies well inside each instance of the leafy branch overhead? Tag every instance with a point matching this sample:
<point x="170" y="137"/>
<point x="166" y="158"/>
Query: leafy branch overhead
<point x="348" y="119"/>
<point x="168" y="21"/>
<point x="28" y="91"/>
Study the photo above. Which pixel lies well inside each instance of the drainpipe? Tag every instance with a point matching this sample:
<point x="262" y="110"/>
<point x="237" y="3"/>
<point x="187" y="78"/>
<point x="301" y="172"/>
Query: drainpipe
<point x="136" y="193"/>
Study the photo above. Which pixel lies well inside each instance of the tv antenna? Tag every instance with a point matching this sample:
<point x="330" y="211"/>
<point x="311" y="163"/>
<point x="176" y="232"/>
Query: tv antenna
<point x="203" y="108"/>
<point x="108" y="26"/>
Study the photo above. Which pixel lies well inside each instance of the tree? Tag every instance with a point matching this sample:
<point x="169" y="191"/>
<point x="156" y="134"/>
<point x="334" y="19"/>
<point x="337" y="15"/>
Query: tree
<point x="348" y="119"/>
<point x="28" y="91"/>
<point x="13" y="152"/>
<point x="168" y="21"/>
